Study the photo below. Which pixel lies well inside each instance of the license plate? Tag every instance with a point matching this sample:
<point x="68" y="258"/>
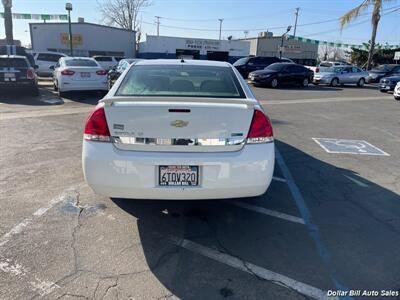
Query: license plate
<point x="178" y="175"/>
<point x="85" y="74"/>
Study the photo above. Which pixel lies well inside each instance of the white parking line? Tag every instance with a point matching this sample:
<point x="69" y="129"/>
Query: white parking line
<point x="267" y="211"/>
<point x="280" y="179"/>
<point x="247" y="267"/>
<point x="24" y="223"/>
<point x="359" y="183"/>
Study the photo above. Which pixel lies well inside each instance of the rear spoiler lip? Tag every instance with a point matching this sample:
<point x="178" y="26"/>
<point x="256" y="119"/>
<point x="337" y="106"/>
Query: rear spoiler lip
<point x="247" y="101"/>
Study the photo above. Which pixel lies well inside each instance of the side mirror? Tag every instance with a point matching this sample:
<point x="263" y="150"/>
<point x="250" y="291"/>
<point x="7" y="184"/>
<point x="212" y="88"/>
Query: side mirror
<point x="36" y="67"/>
<point x="52" y="68"/>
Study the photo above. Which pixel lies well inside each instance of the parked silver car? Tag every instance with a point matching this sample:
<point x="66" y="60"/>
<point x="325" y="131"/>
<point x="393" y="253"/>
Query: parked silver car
<point x="336" y="75"/>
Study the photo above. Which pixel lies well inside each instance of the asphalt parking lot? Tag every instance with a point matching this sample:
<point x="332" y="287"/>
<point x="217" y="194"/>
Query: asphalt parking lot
<point x="329" y="221"/>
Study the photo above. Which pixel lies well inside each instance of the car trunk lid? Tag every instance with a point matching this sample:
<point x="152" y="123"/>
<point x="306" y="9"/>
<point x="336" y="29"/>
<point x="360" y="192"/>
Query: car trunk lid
<point x="179" y="124"/>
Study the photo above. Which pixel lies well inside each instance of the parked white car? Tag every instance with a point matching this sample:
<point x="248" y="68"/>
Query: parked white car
<point x="79" y="74"/>
<point x="396" y="92"/>
<point x="44" y="60"/>
<point x="106" y="62"/>
<point x="172" y="129"/>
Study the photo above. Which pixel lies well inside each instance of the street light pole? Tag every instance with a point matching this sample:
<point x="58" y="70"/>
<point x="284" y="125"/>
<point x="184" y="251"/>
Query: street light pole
<point x="220" y="27"/>
<point x="283" y="35"/>
<point x="68" y="7"/>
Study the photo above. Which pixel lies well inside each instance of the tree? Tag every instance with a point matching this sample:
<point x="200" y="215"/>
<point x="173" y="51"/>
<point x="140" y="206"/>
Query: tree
<point x="376" y="15"/>
<point x="123" y="13"/>
<point x="8" y="24"/>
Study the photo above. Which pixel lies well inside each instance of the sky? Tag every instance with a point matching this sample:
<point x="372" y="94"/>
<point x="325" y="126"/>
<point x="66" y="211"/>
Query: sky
<point x="199" y="18"/>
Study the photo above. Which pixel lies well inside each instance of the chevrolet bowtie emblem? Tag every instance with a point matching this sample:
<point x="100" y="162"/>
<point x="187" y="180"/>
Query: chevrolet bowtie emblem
<point x="179" y="123"/>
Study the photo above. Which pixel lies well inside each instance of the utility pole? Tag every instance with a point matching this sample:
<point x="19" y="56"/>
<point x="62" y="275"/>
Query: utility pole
<point x="282" y="37"/>
<point x="295" y="22"/>
<point x="158" y="25"/>
<point x="220" y="27"/>
<point x="8" y="23"/>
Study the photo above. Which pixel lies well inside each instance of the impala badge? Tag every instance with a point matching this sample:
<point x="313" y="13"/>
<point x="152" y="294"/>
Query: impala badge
<point x="179" y="123"/>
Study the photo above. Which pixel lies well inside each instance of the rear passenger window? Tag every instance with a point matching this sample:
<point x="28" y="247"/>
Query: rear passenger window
<point x="103" y="58"/>
<point x="49" y="57"/>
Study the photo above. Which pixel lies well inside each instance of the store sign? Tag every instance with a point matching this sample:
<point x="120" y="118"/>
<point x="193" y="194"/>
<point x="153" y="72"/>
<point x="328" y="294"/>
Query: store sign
<point x="397" y="55"/>
<point x="202" y="44"/>
<point x="77" y="39"/>
<point x="290" y="49"/>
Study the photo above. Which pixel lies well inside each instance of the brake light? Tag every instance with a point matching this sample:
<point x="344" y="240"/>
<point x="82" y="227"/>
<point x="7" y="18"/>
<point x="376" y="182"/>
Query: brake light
<point x="260" y="129"/>
<point x="30" y="74"/>
<point x="67" y="72"/>
<point x="96" y="128"/>
<point x="316" y="70"/>
<point x="101" y="72"/>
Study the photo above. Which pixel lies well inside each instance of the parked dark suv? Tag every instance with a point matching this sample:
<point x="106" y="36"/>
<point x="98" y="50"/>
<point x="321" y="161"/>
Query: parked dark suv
<point x="16" y="73"/>
<point x="245" y="65"/>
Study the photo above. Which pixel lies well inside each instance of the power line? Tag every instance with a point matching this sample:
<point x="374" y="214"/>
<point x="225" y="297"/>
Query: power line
<point x="264" y="28"/>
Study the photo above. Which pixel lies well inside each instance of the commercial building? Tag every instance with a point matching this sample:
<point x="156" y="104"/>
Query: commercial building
<point x="88" y="39"/>
<point x="193" y="48"/>
<point x="268" y="45"/>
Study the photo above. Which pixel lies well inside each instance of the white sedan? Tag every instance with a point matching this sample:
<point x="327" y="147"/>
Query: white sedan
<point x="396" y="92"/>
<point x="79" y="74"/>
<point x="176" y="129"/>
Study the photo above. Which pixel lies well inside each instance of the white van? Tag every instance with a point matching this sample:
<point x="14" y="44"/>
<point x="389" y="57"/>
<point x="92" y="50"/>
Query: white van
<point x="44" y="60"/>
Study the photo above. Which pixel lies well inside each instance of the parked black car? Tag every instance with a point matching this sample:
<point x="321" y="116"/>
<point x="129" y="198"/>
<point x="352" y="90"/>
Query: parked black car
<point x="246" y="65"/>
<point x="278" y="73"/>
<point x="16" y="73"/>
<point x="388" y="83"/>
<point x="116" y="71"/>
<point x="376" y="74"/>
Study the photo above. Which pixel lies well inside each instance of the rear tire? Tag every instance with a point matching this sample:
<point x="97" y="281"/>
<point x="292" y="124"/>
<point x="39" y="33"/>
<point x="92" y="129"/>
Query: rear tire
<point x="334" y="82"/>
<point x="397" y="98"/>
<point x="274" y="83"/>
<point x="60" y="94"/>
<point x="361" y="82"/>
<point x="383" y="91"/>
<point x="305" y="82"/>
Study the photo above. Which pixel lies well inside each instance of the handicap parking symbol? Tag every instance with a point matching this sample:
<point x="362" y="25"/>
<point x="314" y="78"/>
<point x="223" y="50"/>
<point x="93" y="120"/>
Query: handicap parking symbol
<point x="349" y="146"/>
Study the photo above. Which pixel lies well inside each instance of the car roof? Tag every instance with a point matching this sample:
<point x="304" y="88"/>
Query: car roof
<point x="13" y="56"/>
<point x="179" y="62"/>
<point x="47" y="52"/>
<point x="94" y="56"/>
<point x="76" y="57"/>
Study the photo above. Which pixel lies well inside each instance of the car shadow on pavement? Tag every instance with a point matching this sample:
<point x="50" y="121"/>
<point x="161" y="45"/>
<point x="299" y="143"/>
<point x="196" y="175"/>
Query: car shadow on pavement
<point x="21" y="97"/>
<point x="358" y="223"/>
<point x="86" y="97"/>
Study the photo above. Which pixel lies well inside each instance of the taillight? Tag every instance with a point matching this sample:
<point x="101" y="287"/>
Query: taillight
<point x="316" y="70"/>
<point x="101" y="72"/>
<point x="96" y="128"/>
<point x="260" y="129"/>
<point x="67" y="72"/>
<point x="30" y="74"/>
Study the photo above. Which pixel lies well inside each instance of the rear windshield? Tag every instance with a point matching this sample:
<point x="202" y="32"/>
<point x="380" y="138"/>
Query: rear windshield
<point x="181" y="81"/>
<point x="13" y="62"/>
<point x="80" y="63"/>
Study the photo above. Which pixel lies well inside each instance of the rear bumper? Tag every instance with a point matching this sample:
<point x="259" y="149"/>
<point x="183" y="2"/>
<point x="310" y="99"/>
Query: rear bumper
<point x="134" y="174"/>
<point x="396" y="92"/>
<point x="17" y="84"/>
<point x="93" y="85"/>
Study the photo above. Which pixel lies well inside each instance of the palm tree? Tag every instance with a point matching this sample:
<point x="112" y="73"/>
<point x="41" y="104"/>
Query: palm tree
<point x="376" y="15"/>
<point x="8" y="21"/>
